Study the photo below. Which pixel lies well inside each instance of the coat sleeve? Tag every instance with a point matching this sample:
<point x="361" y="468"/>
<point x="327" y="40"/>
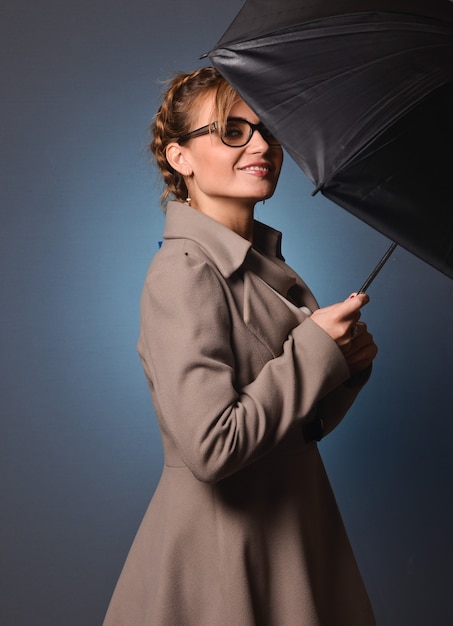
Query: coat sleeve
<point x="334" y="406"/>
<point x="185" y="346"/>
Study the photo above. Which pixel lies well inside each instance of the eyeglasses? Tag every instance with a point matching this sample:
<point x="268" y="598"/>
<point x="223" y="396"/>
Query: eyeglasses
<point x="237" y="133"/>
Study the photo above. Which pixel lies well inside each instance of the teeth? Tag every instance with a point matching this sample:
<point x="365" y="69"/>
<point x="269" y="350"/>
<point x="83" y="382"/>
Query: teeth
<point x="257" y="168"/>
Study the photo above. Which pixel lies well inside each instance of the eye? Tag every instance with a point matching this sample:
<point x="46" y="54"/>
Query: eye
<point x="234" y="130"/>
<point x="268" y="136"/>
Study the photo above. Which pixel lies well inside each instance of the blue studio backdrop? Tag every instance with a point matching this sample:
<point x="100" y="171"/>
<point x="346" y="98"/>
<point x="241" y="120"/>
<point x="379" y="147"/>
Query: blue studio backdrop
<point x="80" y="453"/>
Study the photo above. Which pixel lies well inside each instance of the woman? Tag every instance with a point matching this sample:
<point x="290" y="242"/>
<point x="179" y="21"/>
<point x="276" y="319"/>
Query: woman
<point x="246" y="373"/>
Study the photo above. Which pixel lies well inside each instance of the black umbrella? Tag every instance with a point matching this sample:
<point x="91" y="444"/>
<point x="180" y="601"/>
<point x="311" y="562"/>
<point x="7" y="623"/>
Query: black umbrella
<point x="360" y="94"/>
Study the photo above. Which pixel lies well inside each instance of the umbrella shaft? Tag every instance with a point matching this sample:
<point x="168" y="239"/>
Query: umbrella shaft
<point x="378" y="268"/>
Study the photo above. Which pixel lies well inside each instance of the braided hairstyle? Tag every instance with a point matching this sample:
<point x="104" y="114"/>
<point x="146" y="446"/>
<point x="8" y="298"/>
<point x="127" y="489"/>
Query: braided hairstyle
<point x="174" y="119"/>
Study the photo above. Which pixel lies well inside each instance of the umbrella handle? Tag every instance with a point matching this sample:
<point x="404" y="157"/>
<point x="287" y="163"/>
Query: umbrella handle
<point x="378" y="268"/>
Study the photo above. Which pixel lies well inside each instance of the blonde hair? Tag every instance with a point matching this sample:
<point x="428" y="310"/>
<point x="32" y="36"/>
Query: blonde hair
<point x="174" y="118"/>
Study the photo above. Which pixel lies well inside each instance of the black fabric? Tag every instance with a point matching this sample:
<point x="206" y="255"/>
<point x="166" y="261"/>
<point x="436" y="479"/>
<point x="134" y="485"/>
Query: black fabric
<point x="259" y="17"/>
<point x="406" y="182"/>
<point x="335" y="82"/>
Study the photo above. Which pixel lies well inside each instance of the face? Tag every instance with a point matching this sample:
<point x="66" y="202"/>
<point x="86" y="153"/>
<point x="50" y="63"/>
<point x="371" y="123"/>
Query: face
<point x="226" y="175"/>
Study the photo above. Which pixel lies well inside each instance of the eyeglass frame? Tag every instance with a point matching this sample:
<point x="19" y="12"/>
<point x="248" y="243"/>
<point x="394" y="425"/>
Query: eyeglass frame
<point x="214" y="126"/>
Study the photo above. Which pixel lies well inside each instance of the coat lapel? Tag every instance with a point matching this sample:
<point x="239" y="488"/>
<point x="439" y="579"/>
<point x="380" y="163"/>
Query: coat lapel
<point x="267" y="315"/>
<point x="272" y="274"/>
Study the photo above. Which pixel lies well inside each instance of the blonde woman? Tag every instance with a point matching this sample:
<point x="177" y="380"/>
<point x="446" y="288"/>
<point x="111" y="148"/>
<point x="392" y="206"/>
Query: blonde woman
<point x="246" y="375"/>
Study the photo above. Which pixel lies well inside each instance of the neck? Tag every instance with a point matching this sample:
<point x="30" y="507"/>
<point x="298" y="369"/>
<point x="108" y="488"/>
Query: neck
<point x="235" y="215"/>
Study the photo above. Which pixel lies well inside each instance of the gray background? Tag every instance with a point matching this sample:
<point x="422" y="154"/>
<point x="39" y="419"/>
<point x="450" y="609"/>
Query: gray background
<point x="80" y="452"/>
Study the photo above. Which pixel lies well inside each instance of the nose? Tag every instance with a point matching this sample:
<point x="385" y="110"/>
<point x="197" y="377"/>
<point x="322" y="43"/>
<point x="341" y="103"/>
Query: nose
<point x="257" y="141"/>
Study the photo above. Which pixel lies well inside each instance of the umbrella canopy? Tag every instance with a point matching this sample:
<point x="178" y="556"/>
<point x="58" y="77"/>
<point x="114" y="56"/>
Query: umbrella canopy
<point x="360" y="94"/>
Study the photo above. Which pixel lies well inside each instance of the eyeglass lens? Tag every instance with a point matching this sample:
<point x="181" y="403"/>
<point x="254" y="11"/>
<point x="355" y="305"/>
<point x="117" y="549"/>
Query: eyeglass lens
<point x="239" y="132"/>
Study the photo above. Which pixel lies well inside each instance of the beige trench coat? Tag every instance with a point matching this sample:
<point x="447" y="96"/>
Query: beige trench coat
<point x="243" y="528"/>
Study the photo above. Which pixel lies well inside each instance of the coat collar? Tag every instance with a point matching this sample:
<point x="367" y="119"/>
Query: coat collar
<point x="227" y="249"/>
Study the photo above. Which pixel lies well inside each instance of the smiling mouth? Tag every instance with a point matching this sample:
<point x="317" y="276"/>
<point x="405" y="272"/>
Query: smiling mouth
<point x="256" y="168"/>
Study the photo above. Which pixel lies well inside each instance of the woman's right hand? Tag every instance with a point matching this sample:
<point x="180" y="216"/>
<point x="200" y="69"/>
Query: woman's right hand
<point x="341" y="322"/>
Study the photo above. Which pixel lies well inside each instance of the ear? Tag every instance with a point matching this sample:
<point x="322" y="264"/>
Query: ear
<point x="176" y="157"/>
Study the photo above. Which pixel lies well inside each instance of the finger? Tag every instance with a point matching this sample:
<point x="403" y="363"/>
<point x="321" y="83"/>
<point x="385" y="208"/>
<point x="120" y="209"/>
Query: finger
<point x="361" y="348"/>
<point x="352" y="331"/>
<point x="349" y="314"/>
<point x="364" y="356"/>
<point x="357" y="329"/>
<point x="359" y="299"/>
<point x="356" y="339"/>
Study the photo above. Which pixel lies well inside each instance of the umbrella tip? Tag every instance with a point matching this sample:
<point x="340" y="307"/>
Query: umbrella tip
<point x="315" y="191"/>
